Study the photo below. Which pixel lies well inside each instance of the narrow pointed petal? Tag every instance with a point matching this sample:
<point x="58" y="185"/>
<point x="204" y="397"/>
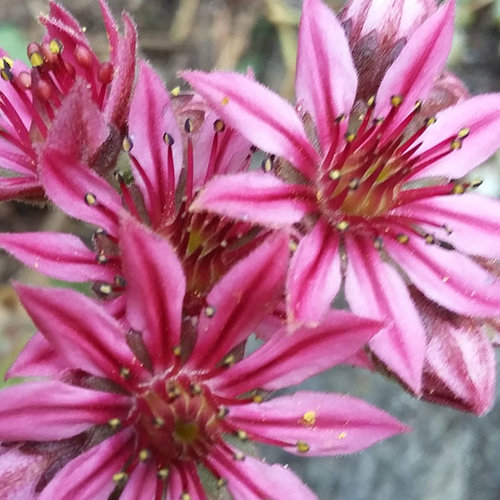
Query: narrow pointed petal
<point x="314" y="276"/>
<point x="326" y="79"/>
<point x="142" y="482"/>
<point x="79" y="329"/>
<point x="60" y="256"/>
<point x="154" y="302"/>
<point x="449" y="278"/>
<point x="480" y="115"/>
<point x="111" y="30"/>
<point x="51" y="410"/>
<point x="329" y="424"/>
<point x="373" y="288"/>
<point x="39" y="358"/>
<point x="289" y="358"/>
<point x="20" y="187"/>
<point x="412" y="74"/>
<point x="258" y="113"/>
<point x="472" y="221"/>
<point x="58" y="13"/>
<point x="90" y="476"/>
<point x="254" y="197"/>
<point x="252" y="479"/>
<point x="152" y="116"/>
<point x="124" y="56"/>
<point x="240" y="300"/>
<point x="184" y="479"/>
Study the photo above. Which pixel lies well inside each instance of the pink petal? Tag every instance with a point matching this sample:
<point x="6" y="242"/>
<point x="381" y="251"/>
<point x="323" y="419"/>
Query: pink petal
<point x="314" y="276"/>
<point x="124" y="56"/>
<point x="142" y="482"/>
<point x="326" y="79"/>
<point x="59" y="14"/>
<point x="472" y="221"/>
<point x="412" y="74"/>
<point x="111" y="30"/>
<point x="155" y="289"/>
<point x="373" y="288"/>
<point x="480" y="114"/>
<point x="251" y="479"/>
<point x="151" y="116"/>
<point x="50" y="410"/>
<point x="449" y="278"/>
<point x="258" y="113"/>
<point x="289" y="358"/>
<point x="79" y="329"/>
<point x="37" y="359"/>
<point x="60" y="256"/>
<point x="254" y="197"/>
<point x="90" y="476"/>
<point x="240" y="300"/>
<point x="184" y="479"/>
<point x="330" y="424"/>
<point x="20" y="187"/>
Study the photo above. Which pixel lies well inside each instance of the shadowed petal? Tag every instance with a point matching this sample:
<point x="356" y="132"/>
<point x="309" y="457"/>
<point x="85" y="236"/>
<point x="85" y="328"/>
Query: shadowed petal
<point x="480" y="116"/>
<point x="252" y="479"/>
<point x="79" y="329"/>
<point x="329" y="424"/>
<point x="39" y="358"/>
<point x="314" y="276"/>
<point x="239" y="301"/>
<point x="155" y="289"/>
<point x="289" y="358"/>
<point x="151" y="116"/>
<point x="472" y="221"/>
<point x="254" y="197"/>
<point x="25" y="187"/>
<point x="373" y="288"/>
<point x="50" y="410"/>
<point x="449" y="278"/>
<point x="412" y="74"/>
<point x="326" y="79"/>
<point x="90" y="475"/>
<point x="60" y="256"/>
<point x="261" y="115"/>
<point x="142" y="482"/>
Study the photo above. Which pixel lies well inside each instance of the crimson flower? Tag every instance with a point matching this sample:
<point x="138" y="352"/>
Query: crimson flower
<point x="30" y="99"/>
<point x="154" y="411"/>
<point x="378" y="201"/>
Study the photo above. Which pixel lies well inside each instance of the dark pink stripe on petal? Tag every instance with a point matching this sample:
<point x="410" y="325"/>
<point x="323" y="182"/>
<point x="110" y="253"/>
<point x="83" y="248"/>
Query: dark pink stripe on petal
<point x="142" y="482"/>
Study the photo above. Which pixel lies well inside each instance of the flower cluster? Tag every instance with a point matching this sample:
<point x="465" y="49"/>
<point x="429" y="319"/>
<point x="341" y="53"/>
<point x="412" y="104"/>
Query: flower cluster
<point x="147" y="387"/>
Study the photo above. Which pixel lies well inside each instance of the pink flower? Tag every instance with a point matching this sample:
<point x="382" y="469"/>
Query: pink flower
<point x="30" y="100"/>
<point x="168" y="165"/>
<point x="153" y="406"/>
<point x="377" y="203"/>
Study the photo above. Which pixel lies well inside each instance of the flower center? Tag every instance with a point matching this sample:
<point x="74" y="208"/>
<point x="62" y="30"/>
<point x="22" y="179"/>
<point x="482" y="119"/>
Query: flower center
<point x="177" y="420"/>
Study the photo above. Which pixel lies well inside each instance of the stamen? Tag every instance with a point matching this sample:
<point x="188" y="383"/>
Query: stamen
<point x="90" y="199"/>
<point x="210" y="311"/>
<point x="302" y="447"/>
<point x="120" y="477"/>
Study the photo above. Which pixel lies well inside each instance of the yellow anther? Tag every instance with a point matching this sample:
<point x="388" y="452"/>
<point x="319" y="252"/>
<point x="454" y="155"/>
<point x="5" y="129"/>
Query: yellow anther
<point x="309" y="418"/>
<point x="257" y="398"/>
<point x="458" y="189"/>
<point x="219" y="125"/>
<point x="239" y="456"/>
<point x="396" y="100"/>
<point x="430" y="239"/>
<point x="342" y="225"/>
<point x="126" y="144"/>
<point x="6" y="63"/>
<point x="55" y="46"/>
<point x="334" y="175"/>
<point x="158" y="422"/>
<point x="225" y="101"/>
<point x="340" y="118"/>
<point x="162" y="474"/>
<point x="90" y="199"/>
<point x="463" y="133"/>
<point x="430" y="121"/>
<point x="196" y="389"/>
<point x="302" y="447"/>
<point x="168" y="139"/>
<point x="342" y="435"/>
<point x="102" y="259"/>
<point x="221" y="482"/>
<point x="371" y="101"/>
<point x="476" y="183"/>
<point x="456" y="144"/>
<point x="242" y="435"/>
<point x="417" y="106"/>
<point x="144" y="455"/>
<point x="36" y="59"/>
<point x="188" y="126"/>
<point x="403" y="238"/>
<point x="222" y="412"/>
<point x="175" y="91"/>
<point x="229" y="360"/>
<point x="124" y="372"/>
<point x="354" y="184"/>
<point x="120" y="476"/>
<point x="114" y="423"/>
<point x="319" y="195"/>
<point x="177" y="351"/>
<point x="209" y="311"/>
<point x="185" y="496"/>
<point x="350" y="137"/>
<point x="105" y="288"/>
<point x="267" y="165"/>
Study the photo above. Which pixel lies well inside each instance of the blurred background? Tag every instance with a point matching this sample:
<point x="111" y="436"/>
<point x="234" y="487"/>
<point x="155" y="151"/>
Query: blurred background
<point x="450" y="455"/>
